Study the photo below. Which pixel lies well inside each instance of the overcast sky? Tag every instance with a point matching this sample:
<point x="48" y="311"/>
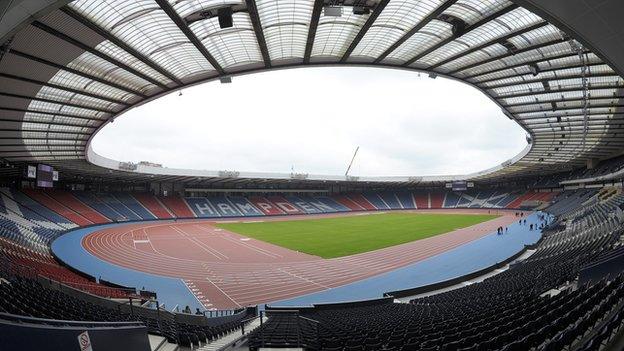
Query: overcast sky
<point x="313" y="119"/>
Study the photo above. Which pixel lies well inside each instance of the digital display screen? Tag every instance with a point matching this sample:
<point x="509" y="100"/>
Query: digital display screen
<point x="45" y="176"/>
<point x="460" y="186"/>
<point x="31" y="172"/>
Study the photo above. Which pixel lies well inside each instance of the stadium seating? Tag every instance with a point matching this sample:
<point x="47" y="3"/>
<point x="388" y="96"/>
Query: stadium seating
<point x="95" y="203"/>
<point x="327" y="204"/>
<point x="26" y="296"/>
<point x="224" y="206"/>
<point x="151" y="203"/>
<point x="131" y="203"/>
<point x="375" y="200"/>
<point x="27" y="227"/>
<point x="451" y="200"/>
<point x="304" y="205"/>
<point x="535" y="304"/>
<point x="348" y="203"/>
<point x="406" y="200"/>
<point x="520" y="199"/>
<point x="91" y="208"/>
<point x="266" y="206"/>
<point x="57" y="207"/>
<point x="284" y="205"/>
<point x="391" y="200"/>
<point x="71" y="202"/>
<point x="112" y="202"/>
<point x="30" y="207"/>
<point x="245" y="207"/>
<point x="421" y="199"/>
<point x="437" y="199"/>
<point x="362" y="201"/>
<point x="177" y="206"/>
<point x="201" y="207"/>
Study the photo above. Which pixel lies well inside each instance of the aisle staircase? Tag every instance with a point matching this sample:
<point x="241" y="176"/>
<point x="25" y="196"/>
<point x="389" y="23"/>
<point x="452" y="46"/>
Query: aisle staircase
<point x="232" y="338"/>
<point x="607" y="193"/>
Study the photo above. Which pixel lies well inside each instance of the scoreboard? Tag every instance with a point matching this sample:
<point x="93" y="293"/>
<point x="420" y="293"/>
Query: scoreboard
<point x="46" y="175"/>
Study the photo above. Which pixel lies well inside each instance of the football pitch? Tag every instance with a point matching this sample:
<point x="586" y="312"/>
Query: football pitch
<point x="343" y="236"/>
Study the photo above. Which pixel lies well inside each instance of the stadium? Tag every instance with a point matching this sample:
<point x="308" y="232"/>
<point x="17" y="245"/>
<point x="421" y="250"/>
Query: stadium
<point x="105" y="254"/>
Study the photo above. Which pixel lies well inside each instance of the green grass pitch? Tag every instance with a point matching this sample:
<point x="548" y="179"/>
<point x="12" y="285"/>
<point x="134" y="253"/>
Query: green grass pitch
<point x="343" y="236"/>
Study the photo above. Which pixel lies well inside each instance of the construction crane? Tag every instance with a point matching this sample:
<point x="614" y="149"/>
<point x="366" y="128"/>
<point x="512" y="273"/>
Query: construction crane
<point x="351" y="163"/>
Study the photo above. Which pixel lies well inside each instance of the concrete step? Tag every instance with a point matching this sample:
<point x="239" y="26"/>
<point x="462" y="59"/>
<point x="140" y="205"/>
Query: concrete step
<point x="158" y="343"/>
<point x="231" y="338"/>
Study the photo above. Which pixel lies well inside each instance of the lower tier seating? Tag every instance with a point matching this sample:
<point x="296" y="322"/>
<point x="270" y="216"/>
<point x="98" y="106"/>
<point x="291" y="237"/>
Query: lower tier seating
<point x="536" y="304"/>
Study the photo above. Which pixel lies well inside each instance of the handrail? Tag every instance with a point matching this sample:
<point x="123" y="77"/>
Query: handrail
<point x="309" y="319"/>
<point x="62" y="322"/>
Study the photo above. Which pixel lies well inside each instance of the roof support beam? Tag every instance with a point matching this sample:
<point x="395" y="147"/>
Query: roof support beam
<point x="484" y="45"/>
<point x="33" y="155"/>
<point x="60" y="87"/>
<point x="77" y="72"/>
<point x="529" y="119"/>
<point x="522" y="64"/>
<point x="557" y="91"/>
<point x="49" y="123"/>
<point x="22" y="148"/>
<point x="42" y="131"/>
<point x="113" y="39"/>
<point x="468" y="29"/>
<point x="564" y="108"/>
<point x="54" y="145"/>
<point x="369" y="22"/>
<point x="25" y="97"/>
<point x="53" y="114"/>
<point x="46" y="139"/>
<point x="539" y="80"/>
<point x="496" y="58"/>
<point x="97" y="53"/>
<point x="316" y="15"/>
<point x="562" y="100"/>
<point x="171" y="12"/>
<point x="553" y="69"/>
<point x="257" y="26"/>
<point x="433" y="15"/>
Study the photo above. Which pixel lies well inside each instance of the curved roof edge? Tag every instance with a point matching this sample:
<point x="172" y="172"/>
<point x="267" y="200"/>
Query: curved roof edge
<point x="146" y="170"/>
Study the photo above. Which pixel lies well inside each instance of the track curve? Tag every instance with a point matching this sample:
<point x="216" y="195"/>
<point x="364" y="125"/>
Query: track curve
<point x="226" y="270"/>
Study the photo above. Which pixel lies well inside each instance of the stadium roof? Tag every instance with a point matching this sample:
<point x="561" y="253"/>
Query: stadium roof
<point x="69" y="68"/>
